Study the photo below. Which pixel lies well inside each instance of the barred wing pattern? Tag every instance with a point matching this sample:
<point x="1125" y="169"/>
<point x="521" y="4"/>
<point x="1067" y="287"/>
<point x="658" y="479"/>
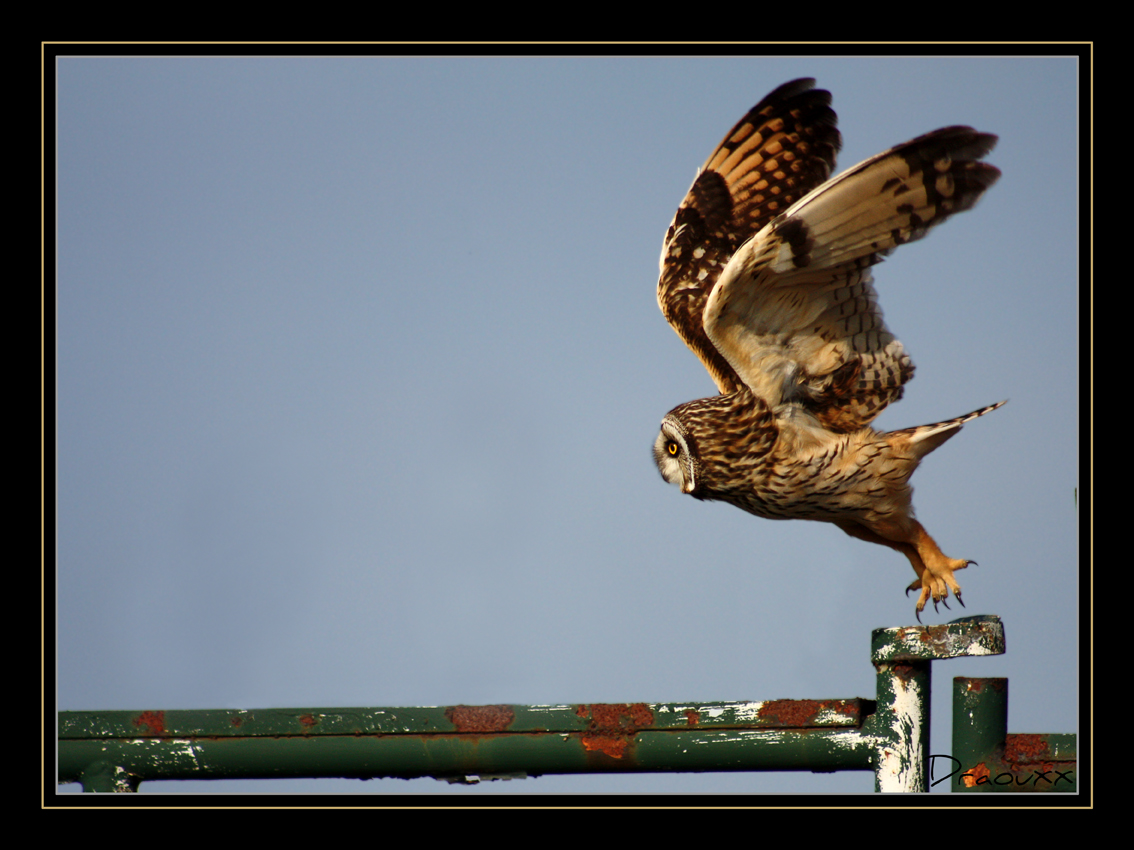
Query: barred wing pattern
<point x="782" y="149"/>
<point x="794" y="312"/>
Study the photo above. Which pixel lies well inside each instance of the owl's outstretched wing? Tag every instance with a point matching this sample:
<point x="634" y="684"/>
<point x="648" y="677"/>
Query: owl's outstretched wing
<point x="782" y="149"/>
<point x="794" y="312"/>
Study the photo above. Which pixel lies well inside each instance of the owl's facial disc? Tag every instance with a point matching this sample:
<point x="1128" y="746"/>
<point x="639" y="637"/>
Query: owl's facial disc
<point x="671" y="454"/>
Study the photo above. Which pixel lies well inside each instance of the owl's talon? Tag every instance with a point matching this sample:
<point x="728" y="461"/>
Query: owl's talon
<point x="935" y="581"/>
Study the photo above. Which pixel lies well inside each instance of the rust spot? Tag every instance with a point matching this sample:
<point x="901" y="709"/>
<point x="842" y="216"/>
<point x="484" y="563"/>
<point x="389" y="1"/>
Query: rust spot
<point x="308" y="720"/>
<point x="236" y="721"/>
<point x="154" y="721"/>
<point x="903" y="671"/>
<point x="791" y="712"/>
<point x="934" y="634"/>
<point x="973" y="776"/>
<point x="623" y="716"/>
<point x="480" y="718"/>
<point x="613" y="726"/>
<point x="1026" y="748"/>
<point x="692" y="716"/>
<point x="613" y="747"/>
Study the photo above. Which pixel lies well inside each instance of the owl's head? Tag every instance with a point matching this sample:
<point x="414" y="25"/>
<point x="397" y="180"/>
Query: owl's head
<point x="675" y="453"/>
<point x="709" y="447"/>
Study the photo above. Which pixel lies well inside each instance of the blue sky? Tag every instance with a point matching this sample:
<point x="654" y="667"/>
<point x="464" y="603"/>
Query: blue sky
<point x="359" y="365"/>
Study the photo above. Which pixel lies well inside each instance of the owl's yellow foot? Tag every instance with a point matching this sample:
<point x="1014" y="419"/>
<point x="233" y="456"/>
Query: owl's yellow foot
<point x="935" y="583"/>
<point x="933" y="568"/>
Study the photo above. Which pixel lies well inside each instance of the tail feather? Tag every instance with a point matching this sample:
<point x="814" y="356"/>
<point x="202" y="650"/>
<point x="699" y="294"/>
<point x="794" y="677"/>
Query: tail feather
<point x="923" y="439"/>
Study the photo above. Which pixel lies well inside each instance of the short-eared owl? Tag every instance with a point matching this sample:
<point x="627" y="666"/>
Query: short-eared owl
<point x="765" y="273"/>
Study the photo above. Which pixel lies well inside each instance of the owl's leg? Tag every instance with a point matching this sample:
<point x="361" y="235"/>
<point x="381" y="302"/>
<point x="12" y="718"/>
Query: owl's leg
<point x="934" y="570"/>
<point x="937" y="580"/>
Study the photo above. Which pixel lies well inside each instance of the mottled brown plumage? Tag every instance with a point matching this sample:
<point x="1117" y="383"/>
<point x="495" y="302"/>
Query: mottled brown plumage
<point x="765" y="273"/>
<point x="782" y="149"/>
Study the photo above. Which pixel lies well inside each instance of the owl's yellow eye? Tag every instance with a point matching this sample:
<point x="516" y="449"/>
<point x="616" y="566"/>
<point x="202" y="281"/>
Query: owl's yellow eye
<point x="672" y="448"/>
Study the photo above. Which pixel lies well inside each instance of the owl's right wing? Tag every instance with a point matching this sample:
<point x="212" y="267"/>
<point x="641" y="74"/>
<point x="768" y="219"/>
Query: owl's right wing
<point x="782" y="149"/>
<point x="794" y="313"/>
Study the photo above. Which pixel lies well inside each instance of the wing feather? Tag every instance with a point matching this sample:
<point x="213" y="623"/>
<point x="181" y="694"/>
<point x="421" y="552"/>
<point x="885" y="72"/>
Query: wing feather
<point x="782" y="149"/>
<point x="794" y="312"/>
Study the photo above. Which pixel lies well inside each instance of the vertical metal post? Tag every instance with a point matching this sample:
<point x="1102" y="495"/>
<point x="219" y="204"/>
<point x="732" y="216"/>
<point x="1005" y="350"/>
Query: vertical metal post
<point x="902" y="756"/>
<point x="986" y="757"/>
<point x="902" y="656"/>
<point x="980" y="720"/>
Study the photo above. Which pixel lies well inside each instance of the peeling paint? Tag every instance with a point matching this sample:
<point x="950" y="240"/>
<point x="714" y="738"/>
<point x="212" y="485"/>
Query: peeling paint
<point x="900" y="765"/>
<point x="188" y="748"/>
<point x="968" y="636"/>
<point x="749" y="712"/>
<point x="548" y="709"/>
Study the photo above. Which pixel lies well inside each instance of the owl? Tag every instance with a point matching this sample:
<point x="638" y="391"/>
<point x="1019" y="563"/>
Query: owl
<point x="766" y="276"/>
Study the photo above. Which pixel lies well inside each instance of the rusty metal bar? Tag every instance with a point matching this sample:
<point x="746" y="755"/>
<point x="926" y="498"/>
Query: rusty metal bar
<point x="115" y="750"/>
<point x="987" y="758"/>
<point x="461" y="742"/>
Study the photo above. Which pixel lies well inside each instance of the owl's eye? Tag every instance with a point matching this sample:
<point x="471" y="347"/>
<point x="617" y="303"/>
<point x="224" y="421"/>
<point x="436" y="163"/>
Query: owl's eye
<point x="672" y="448"/>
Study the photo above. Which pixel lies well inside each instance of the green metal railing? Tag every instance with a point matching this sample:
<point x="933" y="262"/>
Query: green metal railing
<point x="115" y="750"/>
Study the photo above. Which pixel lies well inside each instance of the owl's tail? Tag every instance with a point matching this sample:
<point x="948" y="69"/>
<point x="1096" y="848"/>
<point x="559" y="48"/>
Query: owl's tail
<point x="923" y="439"/>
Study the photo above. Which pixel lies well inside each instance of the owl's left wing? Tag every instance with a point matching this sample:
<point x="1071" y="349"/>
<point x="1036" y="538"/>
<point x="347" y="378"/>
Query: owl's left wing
<point x="782" y="149"/>
<point x="794" y="312"/>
